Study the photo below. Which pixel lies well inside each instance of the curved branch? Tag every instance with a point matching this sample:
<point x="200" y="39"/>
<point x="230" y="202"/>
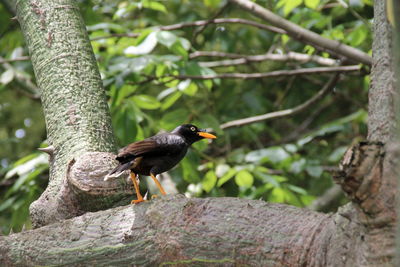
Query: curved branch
<point x="299" y="33"/>
<point x="198" y="23"/>
<point x="278" y="73"/>
<point x="287" y="112"/>
<point x="291" y="56"/>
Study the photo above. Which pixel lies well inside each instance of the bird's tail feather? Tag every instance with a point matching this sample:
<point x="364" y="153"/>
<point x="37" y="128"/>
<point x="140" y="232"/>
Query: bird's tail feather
<point x="117" y="171"/>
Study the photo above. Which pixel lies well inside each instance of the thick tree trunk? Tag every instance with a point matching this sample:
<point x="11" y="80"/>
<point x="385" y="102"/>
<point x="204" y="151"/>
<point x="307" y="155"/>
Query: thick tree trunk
<point x="173" y="230"/>
<point x="74" y="101"/>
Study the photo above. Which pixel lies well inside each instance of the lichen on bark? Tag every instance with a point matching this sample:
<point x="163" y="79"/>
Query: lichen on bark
<point x="74" y="101"/>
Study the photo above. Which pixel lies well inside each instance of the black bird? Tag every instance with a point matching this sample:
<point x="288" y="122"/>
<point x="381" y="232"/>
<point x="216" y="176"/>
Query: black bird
<point x="158" y="154"/>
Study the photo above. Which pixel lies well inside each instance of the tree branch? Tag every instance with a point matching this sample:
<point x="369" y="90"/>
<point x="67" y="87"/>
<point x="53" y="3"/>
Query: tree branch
<point x="291" y="56"/>
<point x="304" y="35"/>
<point x="198" y="23"/>
<point x="287" y="112"/>
<point x="174" y="230"/>
<point x="278" y="73"/>
<point x="24" y="58"/>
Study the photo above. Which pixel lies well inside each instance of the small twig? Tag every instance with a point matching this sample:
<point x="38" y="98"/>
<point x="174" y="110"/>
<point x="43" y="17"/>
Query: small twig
<point x="302" y="129"/>
<point x="279" y="73"/>
<point x="198" y="23"/>
<point x="286" y="112"/>
<point x="3" y="60"/>
<point x="291" y="56"/>
<point x="202" y="28"/>
<point x="214" y="54"/>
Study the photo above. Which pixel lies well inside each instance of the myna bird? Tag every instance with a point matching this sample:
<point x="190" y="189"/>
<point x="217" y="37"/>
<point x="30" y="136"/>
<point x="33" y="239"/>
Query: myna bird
<point x="158" y="154"/>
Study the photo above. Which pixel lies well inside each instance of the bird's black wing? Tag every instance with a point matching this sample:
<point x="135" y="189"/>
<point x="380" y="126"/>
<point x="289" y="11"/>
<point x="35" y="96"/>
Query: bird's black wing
<point x="158" y="145"/>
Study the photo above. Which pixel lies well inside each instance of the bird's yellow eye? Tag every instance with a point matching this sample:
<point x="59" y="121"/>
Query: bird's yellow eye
<point x="193" y="129"/>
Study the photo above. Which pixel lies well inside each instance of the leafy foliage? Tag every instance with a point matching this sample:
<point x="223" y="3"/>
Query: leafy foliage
<point x="148" y="73"/>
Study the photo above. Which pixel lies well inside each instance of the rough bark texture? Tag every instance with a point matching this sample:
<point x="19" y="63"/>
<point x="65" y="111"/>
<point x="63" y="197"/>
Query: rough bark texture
<point x="176" y="231"/>
<point x="381" y="115"/>
<point x="74" y="101"/>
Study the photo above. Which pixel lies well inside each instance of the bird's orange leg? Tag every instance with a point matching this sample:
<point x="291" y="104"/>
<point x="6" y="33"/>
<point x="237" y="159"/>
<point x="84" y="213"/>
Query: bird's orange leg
<point x="158" y="184"/>
<point x="135" y="184"/>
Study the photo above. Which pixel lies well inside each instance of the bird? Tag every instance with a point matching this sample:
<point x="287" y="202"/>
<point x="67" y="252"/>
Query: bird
<point x="157" y="154"/>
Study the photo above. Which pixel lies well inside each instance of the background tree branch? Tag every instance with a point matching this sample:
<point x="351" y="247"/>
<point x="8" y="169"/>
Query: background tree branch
<point x="304" y="35"/>
<point x="287" y="112"/>
<point x="242" y="59"/>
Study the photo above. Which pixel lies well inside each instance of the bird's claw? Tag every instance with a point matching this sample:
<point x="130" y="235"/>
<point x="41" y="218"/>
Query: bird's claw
<point x="137" y="201"/>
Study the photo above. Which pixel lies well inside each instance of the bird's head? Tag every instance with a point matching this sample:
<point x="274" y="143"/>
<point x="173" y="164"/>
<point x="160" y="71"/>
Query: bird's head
<point x="191" y="133"/>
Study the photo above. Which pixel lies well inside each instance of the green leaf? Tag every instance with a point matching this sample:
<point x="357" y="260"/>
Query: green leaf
<point x="314" y="171"/>
<point x="357" y="36"/>
<point x="166" y="38"/>
<point x="146" y="101"/>
<point x="7" y="76"/>
<point x="209" y="181"/>
<point x="337" y="154"/>
<point x="191" y="89"/>
<point x="277" y="195"/>
<point x="273" y="154"/>
<point x="170" y="100"/>
<point x="226" y="177"/>
<point x="313" y="4"/>
<point x="189" y="168"/>
<point x="173" y="118"/>
<point x="212" y="3"/>
<point x="290" y="5"/>
<point x="244" y="178"/>
<point x="298" y="166"/>
<point x="154" y="5"/>
<point x="178" y="49"/>
<point x="144" y="47"/>
<point x="274" y="180"/>
<point x="222" y="169"/>
<point x="297" y="189"/>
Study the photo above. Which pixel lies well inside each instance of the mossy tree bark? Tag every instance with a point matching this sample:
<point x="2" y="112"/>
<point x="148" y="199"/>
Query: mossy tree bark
<point x="74" y="101"/>
<point x="173" y="230"/>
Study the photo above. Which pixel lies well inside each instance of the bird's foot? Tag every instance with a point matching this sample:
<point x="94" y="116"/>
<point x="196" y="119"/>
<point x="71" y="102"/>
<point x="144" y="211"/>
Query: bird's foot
<point x="137" y="201"/>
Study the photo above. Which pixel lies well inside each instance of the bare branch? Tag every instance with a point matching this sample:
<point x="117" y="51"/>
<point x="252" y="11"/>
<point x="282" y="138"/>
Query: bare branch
<point x="291" y="56"/>
<point x="299" y="33"/>
<point x="198" y="23"/>
<point x="286" y="112"/>
<point x="278" y="73"/>
<point x="3" y="60"/>
<point x="214" y="54"/>
<point x="324" y="201"/>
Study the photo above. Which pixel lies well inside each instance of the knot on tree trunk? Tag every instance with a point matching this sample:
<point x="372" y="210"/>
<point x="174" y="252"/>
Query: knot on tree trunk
<point x="85" y="176"/>
<point x="360" y="174"/>
<point x="82" y="190"/>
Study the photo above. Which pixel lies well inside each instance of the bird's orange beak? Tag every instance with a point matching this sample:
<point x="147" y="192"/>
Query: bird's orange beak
<point x="206" y="135"/>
